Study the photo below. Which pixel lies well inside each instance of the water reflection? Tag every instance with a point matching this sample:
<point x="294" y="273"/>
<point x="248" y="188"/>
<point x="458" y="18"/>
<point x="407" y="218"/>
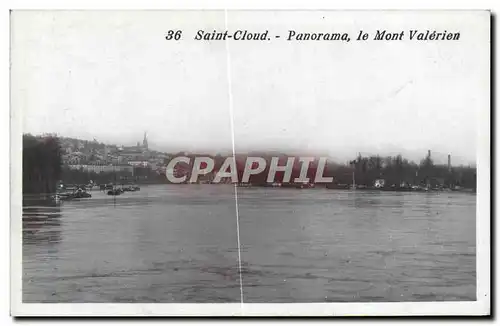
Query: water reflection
<point x="179" y="244"/>
<point x="162" y="244"/>
<point x="41" y="224"/>
<point x="357" y="246"/>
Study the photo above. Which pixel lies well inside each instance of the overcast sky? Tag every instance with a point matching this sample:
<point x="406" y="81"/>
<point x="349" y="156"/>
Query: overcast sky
<point x="112" y="76"/>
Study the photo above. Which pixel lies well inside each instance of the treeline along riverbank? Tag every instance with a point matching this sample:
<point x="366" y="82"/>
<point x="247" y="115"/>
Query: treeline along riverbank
<point x="390" y="172"/>
<point x="42" y="164"/>
<point x="43" y="169"/>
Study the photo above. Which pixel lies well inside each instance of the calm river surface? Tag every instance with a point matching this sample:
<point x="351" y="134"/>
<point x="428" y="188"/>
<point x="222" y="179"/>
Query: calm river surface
<point x="178" y="243"/>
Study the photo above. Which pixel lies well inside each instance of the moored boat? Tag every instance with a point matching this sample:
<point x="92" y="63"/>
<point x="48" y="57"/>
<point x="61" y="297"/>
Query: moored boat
<point x="81" y="194"/>
<point x="115" y="192"/>
<point x="77" y="194"/>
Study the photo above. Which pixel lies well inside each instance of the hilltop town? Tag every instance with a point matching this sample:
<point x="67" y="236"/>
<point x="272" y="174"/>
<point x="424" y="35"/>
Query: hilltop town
<point x="50" y="159"/>
<point x="93" y="156"/>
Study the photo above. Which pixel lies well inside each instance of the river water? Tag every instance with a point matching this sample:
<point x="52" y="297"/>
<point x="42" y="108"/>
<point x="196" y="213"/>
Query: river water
<point x="179" y="243"/>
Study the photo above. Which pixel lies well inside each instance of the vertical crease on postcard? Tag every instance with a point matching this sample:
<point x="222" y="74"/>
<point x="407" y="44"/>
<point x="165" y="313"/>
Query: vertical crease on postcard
<point x="231" y="116"/>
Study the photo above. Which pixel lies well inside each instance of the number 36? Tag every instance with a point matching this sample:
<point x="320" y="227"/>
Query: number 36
<point x="176" y="35"/>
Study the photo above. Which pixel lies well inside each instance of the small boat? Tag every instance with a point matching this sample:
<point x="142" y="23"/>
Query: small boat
<point x="115" y="192"/>
<point x="63" y="196"/>
<point x="77" y="194"/>
<point x="131" y="188"/>
<point x="104" y="187"/>
<point x="305" y="185"/>
<point x="81" y="194"/>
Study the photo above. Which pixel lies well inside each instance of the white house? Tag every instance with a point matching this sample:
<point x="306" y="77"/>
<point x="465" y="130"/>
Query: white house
<point x="379" y="183"/>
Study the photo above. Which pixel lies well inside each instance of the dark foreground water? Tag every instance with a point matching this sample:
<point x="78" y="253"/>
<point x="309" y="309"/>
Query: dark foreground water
<point x="178" y="243"/>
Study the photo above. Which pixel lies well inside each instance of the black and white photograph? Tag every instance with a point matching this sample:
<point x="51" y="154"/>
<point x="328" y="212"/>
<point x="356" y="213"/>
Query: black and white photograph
<point x="250" y="162"/>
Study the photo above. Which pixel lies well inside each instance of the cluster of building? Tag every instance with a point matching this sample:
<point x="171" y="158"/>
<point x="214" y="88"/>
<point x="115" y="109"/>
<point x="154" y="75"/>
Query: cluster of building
<point x="92" y="156"/>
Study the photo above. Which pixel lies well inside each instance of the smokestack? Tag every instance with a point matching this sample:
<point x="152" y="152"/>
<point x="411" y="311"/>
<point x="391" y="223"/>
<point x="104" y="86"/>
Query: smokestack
<point x="449" y="162"/>
<point x="429" y="153"/>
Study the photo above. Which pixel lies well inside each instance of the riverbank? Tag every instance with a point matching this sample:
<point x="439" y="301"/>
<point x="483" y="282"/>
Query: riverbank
<point x="280" y="186"/>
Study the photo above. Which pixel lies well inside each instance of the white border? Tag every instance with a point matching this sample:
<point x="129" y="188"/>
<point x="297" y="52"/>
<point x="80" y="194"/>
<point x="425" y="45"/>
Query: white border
<point x="464" y="308"/>
<point x="479" y="307"/>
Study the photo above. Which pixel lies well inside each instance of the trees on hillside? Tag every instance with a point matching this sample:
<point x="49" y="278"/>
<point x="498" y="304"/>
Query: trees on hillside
<point x="42" y="164"/>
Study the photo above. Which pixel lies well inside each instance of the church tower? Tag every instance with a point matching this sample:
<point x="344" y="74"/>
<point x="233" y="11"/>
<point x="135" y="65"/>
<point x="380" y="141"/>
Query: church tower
<point x="145" y="141"/>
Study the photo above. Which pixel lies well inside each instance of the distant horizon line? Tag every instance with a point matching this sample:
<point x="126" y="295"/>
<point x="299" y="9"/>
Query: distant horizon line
<point x="255" y="150"/>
